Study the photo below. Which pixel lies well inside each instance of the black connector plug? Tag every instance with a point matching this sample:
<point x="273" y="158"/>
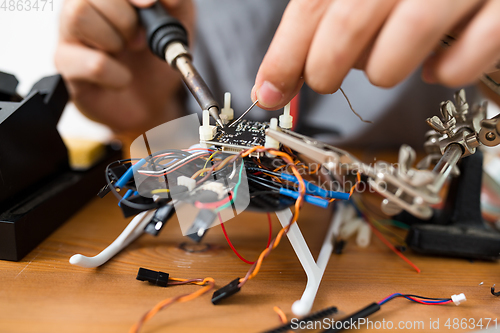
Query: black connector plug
<point x="105" y="190"/>
<point x="203" y="221"/>
<point x="226" y="291"/>
<point x="160" y="218"/>
<point x="157" y="278"/>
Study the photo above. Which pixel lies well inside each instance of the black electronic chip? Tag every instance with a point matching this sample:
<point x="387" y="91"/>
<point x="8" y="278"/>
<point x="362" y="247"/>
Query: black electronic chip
<point x="245" y="135"/>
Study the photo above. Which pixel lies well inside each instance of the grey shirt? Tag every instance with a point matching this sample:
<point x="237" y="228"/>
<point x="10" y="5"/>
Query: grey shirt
<point x="232" y="39"/>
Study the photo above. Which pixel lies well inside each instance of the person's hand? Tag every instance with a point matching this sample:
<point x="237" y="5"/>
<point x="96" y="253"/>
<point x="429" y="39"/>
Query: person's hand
<point x="319" y="41"/>
<point x="111" y="74"/>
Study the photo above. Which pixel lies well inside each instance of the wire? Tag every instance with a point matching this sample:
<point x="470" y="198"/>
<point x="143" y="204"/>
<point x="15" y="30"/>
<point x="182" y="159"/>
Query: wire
<point x="207" y="283"/>
<point x="384" y="240"/>
<point x="174" y="167"/>
<point x="126" y="202"/>
<point x="235" y="191"/>
<point x="280" y="314"/>
<point x="214" y="205"/>
<point x="390" y="246"/>
<point x="208" y="159"/>
<point x="231" y="244"/>
<point x="417" y="299"/>
<point x="352" y="109"/>
<point x="160" y="190"/>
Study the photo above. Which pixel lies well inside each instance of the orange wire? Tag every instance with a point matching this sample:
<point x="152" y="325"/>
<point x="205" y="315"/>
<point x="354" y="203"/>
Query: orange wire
<point x="208" y="284"/>
<point x="298" y="204"/>
<point x="281" y="314"/>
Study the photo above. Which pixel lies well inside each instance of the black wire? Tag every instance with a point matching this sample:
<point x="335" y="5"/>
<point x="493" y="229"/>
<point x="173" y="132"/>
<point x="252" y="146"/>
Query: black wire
<point x="256" y="169"/>
<point x="257" y="193"/>
<point x="119" y="197"/>
<point x="264" y="182"/>
<point x="312" y="317"/>
<point x="429" y="298"/>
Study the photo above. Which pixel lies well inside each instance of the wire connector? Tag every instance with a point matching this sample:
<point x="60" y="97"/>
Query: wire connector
<point x="162" y="215"/>
<point x="226" y="291"/>
<point x="157" y="278"/>
<point x="201" y="224"/>
<point x="457" y="299"/>
<point x="186" y="181"/>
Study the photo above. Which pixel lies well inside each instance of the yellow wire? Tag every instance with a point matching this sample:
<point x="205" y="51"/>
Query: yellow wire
<point x="209" y="158"/>
<point x="160" y="190"/>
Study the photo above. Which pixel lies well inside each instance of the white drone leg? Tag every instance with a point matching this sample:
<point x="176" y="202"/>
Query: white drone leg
<point x="134" y="229"/>
<point x="314" y="270"/>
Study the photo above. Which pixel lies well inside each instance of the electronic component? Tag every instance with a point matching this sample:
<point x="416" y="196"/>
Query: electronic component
<point x="227" y="113"/>
<point x="493" y="291"/>
<point x="207" y="131"/>
<point x="269" y="141"/>
<point x="160" y="218"/>
<point x="457" y="299"/>
<point x="202" y="222"/>
<point x="157" y="278"/>
<point x="246" y="134"/>
<point x="226" y="291"/>
<point x="286" y="120"/>
<point x="186" y="181"/>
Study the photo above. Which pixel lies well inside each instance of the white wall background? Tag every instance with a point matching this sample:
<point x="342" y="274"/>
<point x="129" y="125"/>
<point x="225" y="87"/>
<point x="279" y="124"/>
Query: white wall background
<point x="27" y="45"/>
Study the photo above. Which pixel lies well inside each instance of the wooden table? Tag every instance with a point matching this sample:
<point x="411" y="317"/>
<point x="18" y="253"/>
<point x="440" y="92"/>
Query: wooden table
<point x="44" y="293"/>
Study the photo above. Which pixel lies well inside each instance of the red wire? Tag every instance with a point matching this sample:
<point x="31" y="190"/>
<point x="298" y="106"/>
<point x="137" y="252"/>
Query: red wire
<point x="231" y="244"/>
<point x="213" y="205"/>
<point x="421" y="302"/>
<point x="389" y="245"/>
<point x="183" y="164"/>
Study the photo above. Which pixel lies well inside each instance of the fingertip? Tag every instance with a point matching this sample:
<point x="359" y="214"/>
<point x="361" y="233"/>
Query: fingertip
<point x="253" y="93"/>
<point x="142" y="3"/>
<point x="269" y="95"/>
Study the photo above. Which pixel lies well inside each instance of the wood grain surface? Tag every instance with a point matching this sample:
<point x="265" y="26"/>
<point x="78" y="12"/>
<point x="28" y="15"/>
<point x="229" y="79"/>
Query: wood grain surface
<point x="44" y="293"/>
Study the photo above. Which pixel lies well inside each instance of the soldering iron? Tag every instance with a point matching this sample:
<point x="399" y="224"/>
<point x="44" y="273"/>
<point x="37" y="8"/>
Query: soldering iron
<point x="168" y="39"/>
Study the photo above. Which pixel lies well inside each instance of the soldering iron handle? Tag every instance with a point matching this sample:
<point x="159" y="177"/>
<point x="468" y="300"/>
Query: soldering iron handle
<point x="161" y="28"/>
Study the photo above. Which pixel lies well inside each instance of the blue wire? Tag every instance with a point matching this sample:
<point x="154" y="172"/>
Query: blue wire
<point x="129" y="173"/>
<point x="316" y="190"/>
<point x="307" y="198"/>
<point x="388" y="298"/>
<point x="125" y="197"/>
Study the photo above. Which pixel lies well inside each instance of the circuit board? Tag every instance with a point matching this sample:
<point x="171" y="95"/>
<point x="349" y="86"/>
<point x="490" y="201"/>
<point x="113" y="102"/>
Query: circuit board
<point x="245" y="135"/>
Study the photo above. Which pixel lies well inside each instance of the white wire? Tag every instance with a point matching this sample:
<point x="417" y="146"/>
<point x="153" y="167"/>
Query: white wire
<point x="159" y="172"/>
<point x="231" y="176"/>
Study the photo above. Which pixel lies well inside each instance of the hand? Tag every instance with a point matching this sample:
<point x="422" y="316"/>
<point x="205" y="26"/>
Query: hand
<point x="111" y="74"/>
<point x="319" y="41"/>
